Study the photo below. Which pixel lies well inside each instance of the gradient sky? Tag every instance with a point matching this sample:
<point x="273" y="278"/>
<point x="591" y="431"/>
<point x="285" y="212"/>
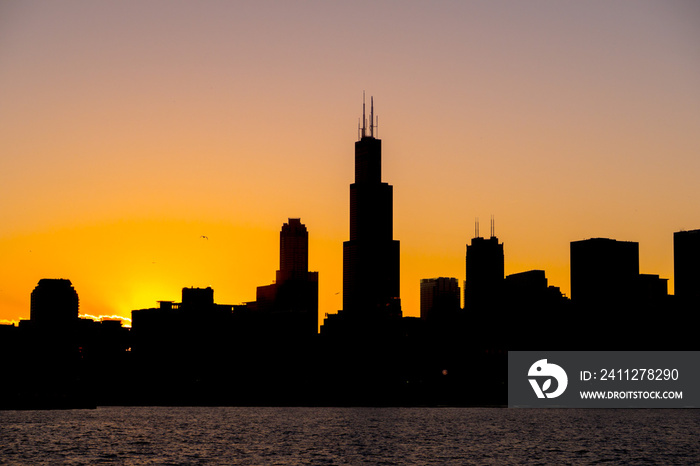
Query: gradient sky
<point x="130" y="129"/>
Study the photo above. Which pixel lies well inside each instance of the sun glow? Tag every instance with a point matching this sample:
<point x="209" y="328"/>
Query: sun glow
<point x="138" y="164"/>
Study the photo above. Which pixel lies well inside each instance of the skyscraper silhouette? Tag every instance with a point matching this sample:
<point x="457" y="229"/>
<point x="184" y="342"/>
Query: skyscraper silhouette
<point x="603" y="271"/>
<point x="54" y="301"/>
<point x="371" y="256"/>
<point x="686" y="264"/>
<point x="292" y="301"/>
<point x="485" y="271"/>
<point x="294" y="251"/>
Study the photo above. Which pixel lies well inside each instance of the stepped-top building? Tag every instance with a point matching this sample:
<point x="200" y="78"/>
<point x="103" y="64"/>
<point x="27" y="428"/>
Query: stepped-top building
<point x="371" y="256"/>
<point x="54" y="301"/>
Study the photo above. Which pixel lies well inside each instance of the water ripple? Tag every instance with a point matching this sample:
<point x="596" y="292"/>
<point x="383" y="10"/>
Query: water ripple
<point x="389" y="436"/>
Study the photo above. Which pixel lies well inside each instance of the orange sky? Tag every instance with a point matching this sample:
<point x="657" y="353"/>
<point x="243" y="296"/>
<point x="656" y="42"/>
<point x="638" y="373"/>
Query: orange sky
<point x="128" y="130"/>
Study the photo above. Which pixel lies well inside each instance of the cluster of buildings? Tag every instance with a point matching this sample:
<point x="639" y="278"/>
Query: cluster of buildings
<point x="270" y="351"/>
<point x="612" y="304"/>
<point x="604" y="274"/>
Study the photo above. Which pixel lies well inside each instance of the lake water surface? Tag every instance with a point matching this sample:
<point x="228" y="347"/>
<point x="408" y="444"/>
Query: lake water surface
<point x="257" y="436"/>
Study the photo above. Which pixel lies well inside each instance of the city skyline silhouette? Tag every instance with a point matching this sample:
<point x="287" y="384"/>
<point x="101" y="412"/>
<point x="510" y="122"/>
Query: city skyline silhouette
<point x="137" y="163"/>
<point x="349" y="232"/>
<point x="374" y="227"/>
<point x="268" y="352"/>
<point x="371" y="256"/>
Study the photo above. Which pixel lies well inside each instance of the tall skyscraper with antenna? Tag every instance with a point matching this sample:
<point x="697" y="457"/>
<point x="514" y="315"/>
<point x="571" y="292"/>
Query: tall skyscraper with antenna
<point x="371" y="256"/>
<point x="485" y="271"/>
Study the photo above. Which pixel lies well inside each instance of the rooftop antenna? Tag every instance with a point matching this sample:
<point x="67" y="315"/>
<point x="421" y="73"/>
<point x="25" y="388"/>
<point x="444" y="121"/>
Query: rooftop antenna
<point x="371" y="117"/>
<point x="364" y="120"/>
<point x="476" y="228"/>
<point x="493" y="226"/>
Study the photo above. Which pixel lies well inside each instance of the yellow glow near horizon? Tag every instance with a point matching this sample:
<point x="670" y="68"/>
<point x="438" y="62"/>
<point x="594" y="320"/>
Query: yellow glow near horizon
<point x="128" y="131"/>
<point x="122" y="266"/>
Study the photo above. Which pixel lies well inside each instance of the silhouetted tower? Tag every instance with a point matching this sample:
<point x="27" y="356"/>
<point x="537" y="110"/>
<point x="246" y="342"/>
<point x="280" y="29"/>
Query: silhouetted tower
<point x="686" y="264"/>
<point x="485" y="271"/>
<point x="604" y="271"/>
<point x="294" y="250"/>
<point x="291" y="303"/>
<point x="54" y="301"/>
<point x="371" y="257"/>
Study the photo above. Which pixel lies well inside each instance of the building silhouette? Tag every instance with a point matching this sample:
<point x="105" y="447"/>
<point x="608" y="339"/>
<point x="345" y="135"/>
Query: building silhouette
<point x="268" y="352"/>
<point x="604" y="271"/>
<point x="363" y="343"/>
<point x="607" y="288"/>
<point x="61" y="360"/>
<point x="686" y="265"/>
<point x="371" y="256"/>
<point x="531" y="286"/>
<point x="651" y="288"/>
<point x="294" y="250"/>
<point x="196" y="314"/>
<point x="54" y="301"/>
<point x="185" y="351"/>
<point x="529" y="302"/>
<point x="485" y="272"/>
<point x="180" y="331"/>
<point x="439" y="299"/>
<point x="291" y="303"/>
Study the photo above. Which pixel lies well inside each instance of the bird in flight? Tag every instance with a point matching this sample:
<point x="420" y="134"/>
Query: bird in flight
<point x="205" y="237"/>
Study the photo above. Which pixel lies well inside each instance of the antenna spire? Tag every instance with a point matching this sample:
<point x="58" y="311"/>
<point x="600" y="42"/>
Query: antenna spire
<point x="371" y="117"/>
<point x="493" y="226"/>
<point x="476" y="227"/>
<point x="373" y="124"/>
<point x="364" y="119"/>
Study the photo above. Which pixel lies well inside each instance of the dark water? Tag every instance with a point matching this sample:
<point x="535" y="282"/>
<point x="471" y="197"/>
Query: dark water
<point x="258" y="436"/>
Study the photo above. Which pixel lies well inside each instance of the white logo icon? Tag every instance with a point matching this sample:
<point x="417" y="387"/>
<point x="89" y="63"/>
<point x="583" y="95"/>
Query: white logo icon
<point x="543" y="369"/>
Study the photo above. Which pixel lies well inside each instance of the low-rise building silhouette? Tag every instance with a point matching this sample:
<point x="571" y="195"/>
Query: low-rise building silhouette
<point x="651" y="288"/>
<point x="531" y="286"/>
<point x="439" y="299"/>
